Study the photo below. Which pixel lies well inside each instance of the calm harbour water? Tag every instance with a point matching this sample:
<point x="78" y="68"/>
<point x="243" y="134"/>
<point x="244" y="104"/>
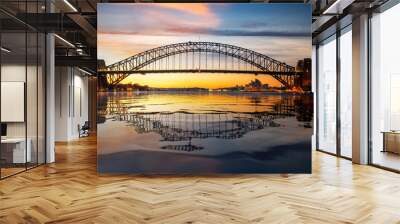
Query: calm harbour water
<point x="204" y="132"/>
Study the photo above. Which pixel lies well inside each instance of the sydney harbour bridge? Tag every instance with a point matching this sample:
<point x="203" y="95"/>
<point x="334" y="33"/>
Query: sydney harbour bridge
<point x="200" y="57"/>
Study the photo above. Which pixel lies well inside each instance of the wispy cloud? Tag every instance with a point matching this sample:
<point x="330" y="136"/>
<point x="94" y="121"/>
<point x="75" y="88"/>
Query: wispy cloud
<point x="159" y="19"/>
<point x="198" y="9"/>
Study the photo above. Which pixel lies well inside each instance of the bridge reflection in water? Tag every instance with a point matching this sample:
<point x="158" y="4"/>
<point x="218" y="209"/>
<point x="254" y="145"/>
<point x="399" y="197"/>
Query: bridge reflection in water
<point x="181" y="127"/>
<point x="202" y="132"/>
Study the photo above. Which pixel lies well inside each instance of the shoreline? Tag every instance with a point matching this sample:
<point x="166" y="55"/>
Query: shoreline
<point x="204" y="91"/>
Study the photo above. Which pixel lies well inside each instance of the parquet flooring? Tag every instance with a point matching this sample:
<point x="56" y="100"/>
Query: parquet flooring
<point x="70" y="191"/>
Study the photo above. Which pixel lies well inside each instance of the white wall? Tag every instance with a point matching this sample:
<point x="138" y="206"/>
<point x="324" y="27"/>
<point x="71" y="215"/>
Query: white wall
<point x="71" y="102"/>
<point x="61" y="103"/>
<point x="12" y="73"/>
<point x="33" y="126"/>
<point x="80" y="104"/>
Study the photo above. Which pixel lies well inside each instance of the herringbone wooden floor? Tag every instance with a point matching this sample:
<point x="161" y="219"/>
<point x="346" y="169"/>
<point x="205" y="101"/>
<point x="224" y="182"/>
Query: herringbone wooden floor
<point x="70" y="191"/>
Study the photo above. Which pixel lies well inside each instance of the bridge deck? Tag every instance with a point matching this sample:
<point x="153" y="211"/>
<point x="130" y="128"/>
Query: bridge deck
<point x="257" y="72"/>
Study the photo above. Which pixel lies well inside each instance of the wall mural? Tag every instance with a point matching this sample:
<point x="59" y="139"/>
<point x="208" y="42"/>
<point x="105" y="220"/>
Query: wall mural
<point x="204" y="88"/>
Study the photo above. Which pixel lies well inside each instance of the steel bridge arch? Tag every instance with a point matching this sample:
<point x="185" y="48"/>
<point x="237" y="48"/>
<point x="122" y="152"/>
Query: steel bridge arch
<point x="120" y="70"/>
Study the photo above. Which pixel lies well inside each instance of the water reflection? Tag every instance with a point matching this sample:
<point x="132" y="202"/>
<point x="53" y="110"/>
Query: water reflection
<point x="182" y="126"/>
<point x="214" y="128"/>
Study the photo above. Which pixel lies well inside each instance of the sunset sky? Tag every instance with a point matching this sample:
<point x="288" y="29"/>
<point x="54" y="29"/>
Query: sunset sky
<point x="280" y="31"/>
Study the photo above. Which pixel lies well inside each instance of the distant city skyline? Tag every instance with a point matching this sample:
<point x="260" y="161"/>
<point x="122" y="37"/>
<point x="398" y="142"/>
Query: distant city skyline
<point x="127" y="29"/>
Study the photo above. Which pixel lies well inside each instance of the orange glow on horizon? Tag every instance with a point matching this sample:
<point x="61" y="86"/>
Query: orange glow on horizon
<point x="201" y="80"/>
